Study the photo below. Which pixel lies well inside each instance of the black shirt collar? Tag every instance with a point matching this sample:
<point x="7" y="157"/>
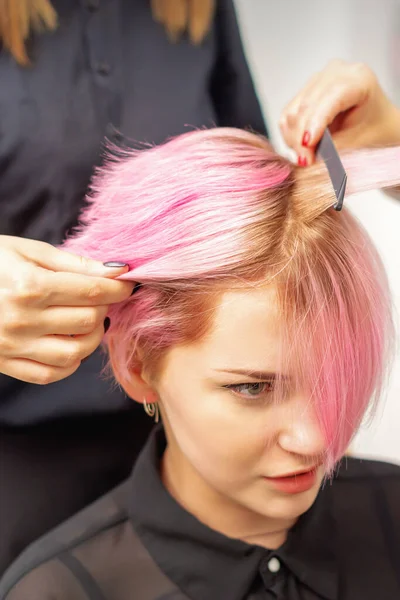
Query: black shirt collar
<point x="206" y="564"/>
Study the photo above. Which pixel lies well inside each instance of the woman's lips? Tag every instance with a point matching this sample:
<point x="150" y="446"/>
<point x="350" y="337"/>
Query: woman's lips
<point x="294" y="484"/>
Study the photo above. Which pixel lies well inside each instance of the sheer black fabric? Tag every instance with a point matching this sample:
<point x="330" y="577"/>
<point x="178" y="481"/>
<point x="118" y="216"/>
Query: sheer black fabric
<point x="138" y="543"/>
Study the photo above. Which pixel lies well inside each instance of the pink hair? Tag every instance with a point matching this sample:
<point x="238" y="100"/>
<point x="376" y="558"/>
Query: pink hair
<point x="215" y="209"/>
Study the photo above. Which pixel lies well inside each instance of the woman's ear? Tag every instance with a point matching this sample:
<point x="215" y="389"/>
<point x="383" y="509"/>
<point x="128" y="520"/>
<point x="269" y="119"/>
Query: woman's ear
<point x="137" y="385"/>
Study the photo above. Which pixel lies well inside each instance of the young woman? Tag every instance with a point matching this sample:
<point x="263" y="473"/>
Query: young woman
<point x="259" y="336"/>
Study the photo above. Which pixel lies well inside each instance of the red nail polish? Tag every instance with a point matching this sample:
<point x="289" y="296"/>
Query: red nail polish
<point x="302" y="161"/>
<point x="306" y="138"/>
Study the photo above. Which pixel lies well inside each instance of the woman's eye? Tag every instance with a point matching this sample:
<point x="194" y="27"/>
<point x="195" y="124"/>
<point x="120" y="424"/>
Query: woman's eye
<point x="252" y="390"/>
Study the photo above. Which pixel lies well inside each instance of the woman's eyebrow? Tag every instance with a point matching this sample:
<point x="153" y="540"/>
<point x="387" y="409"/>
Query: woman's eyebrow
<point x="253" y="373"/>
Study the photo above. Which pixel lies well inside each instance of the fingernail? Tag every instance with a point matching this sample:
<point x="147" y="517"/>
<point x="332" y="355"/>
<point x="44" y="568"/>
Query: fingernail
<point x="107" y="324"/>
<point x="115" y="264"/>
<point x="136" y="288"/>
<point x="302" y="161"/>
<point x="306" y="138"/>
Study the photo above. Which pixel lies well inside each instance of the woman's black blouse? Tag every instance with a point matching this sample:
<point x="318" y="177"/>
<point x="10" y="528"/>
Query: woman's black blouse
<point x="137" y="543"/>
<point x="108" y="71"/>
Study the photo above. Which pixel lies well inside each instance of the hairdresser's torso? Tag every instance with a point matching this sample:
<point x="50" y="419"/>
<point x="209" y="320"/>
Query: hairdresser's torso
<point x="109" y="71"/>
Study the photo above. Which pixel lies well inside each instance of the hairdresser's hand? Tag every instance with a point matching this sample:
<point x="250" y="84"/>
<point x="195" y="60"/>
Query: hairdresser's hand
<point x="346" y="97"/>
<point x="52" y="308"/>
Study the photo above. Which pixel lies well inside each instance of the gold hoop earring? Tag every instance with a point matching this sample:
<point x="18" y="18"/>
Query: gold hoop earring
<point x="151" y="409"/>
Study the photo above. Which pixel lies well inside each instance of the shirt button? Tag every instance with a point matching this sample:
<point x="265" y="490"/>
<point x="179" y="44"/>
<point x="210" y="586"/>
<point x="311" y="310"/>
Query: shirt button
<point x="93" y="5"/>
<point x="103" y="68"/>
<point x="274" y="565"/>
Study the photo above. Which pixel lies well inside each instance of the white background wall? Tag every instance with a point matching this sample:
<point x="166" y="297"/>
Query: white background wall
<point x="286" y="42"/>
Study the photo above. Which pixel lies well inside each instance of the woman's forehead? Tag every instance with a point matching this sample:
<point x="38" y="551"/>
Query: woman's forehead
<point x="248" y="320"/>
<point x="244" y="333"/>
<point x="258" y="304"/>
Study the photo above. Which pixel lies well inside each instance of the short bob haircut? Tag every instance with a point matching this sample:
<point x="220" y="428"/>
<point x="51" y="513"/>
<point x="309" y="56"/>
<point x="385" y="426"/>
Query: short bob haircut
<point x="219" y="209"/>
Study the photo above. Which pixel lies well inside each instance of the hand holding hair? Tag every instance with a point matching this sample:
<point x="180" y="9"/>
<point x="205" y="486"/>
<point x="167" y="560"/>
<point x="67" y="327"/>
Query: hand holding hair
<point x="52" y="308"/>
<point x="347" y="98"/>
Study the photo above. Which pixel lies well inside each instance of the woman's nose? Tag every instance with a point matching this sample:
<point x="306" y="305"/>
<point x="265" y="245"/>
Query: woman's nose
<point x="301" y="433"/>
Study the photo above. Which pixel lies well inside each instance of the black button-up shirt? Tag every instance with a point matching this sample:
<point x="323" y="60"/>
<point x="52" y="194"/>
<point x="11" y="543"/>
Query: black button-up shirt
<point x="138" y="543"/>
<point x="108" y="71"/>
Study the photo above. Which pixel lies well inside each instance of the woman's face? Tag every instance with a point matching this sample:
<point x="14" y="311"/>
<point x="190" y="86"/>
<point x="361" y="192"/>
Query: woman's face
<point x="224" y="431"/>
